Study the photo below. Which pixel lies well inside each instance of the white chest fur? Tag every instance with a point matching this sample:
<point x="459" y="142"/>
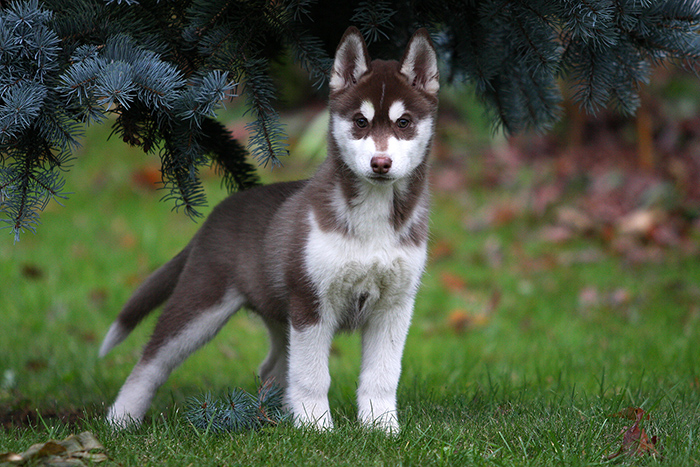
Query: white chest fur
<point x="366" y="271"/>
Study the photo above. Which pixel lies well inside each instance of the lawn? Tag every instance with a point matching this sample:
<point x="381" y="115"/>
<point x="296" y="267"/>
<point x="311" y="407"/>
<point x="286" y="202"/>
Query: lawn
<point x="523" y="346"/>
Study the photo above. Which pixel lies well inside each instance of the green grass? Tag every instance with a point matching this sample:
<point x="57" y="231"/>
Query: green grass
<point x="531" y="381"/>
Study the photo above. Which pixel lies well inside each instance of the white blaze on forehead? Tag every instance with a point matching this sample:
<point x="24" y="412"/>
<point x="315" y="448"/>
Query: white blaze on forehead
<point x="367" y="110"/>
<point x="396" y="110"/>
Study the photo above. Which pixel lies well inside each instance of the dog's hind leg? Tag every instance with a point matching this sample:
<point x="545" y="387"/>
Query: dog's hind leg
<point x="180" y="331"/>
<point x="275" y="365"/>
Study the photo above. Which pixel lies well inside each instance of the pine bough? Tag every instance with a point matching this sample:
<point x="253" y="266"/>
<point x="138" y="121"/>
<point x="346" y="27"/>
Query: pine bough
<point x="237" y="410"/>
<point x="163" y="68"/>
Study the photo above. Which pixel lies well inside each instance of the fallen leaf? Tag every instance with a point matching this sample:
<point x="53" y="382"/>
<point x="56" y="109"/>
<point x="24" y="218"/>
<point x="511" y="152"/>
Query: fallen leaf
<point x="544" y="197"/>
<point x="665" y="235"/>
<point x="586" y="256"/>
<point x="49" y="448"/>
<point x="148" y="177"/>
<point x="503" y="213"/>
<point x="494" y="301"/>
<point x="10" y="457"/>
<point x="69" y="452"/>
<point x="441" y="249"/>
<point x="556" y="234"/>
<point x="588" y="297"/>
<point x="574" y="218"/>
<point x="459" y="321"/>
<point x="453" y="282"/>
<point x="620" y="297"/>
<point x="448" y="180"/>
<point x="36" y="364"/>
<point x="640" y="223"/>
<point x="635" y="441"/>
<point x="32" y="271"/>
<point x="89" y="442"/>
<point x="128" y="241"/>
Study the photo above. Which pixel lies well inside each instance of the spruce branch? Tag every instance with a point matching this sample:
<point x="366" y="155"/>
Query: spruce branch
<point x="270" y="404"/>
<point x="228" y="157"/>
<point x="299" y="9"/>
<point x="237" y="410"/>
<point x="28" y="184"/>
<point x="182" y="181"/>
<point x="204" y="413"/>
<point x="307" y="49"/>
<point x="163" y="68"/>
<point x="267" y="133"/>
<point x="374" y="18"/>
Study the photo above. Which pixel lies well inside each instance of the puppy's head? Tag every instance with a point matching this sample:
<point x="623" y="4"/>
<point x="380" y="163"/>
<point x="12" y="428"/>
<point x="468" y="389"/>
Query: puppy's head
<point x="383" y="112"/>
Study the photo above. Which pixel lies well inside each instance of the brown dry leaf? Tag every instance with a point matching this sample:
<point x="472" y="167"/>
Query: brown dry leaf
<point x="32" y="271"/>
<point x="128" y="241"/>
<point x="452" y="282"/>
<point x="494" y="301"/>
<point x="10" y="458"/>
<point x="574" y="218"/>
<point x="148" y="177"/>
<point x="460" y="320"/>
<point x="640" y="223"/>
<point x="49" y="448"/>
<point x="635" y="441"/>
<point x="68" y="452"/>
<point x="442" y="249"/>
<point x="503" y="213"/>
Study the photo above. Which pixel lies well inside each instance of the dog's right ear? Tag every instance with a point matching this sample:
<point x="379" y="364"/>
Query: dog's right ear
<point x="351" y="60"/>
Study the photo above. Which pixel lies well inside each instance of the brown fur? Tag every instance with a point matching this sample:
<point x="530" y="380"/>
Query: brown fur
<point x="271" y="222"/>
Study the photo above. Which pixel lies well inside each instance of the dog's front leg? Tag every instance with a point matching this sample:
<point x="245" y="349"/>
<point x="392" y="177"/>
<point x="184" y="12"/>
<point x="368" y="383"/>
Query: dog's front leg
<point x="383" y="339"/>
<point x="308" y="376"/>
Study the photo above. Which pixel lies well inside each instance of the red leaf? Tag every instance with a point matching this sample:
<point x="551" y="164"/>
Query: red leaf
<point x="452" y="282"/>
<point x="148" y="177"/>
<point x="635" y="441"/>
<point x="459" y="320"/>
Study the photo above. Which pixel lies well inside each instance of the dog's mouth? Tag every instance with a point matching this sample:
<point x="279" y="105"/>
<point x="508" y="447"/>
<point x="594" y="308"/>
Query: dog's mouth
<point x="380" y="179"/>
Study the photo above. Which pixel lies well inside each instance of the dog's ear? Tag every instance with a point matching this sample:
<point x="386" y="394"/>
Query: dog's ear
<point x="419" y="63"/>
<point x="351" y="60"/>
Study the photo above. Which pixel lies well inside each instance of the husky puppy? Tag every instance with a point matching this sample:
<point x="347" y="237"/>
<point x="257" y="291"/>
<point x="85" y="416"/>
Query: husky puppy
<point x="344" y="250"/>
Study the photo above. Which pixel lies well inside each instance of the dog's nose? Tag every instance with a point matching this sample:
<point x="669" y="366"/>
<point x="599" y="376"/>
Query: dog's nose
<point x="381" y="164"/>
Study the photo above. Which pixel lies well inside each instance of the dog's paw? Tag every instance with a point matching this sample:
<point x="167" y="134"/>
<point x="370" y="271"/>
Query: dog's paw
<point x="322" y="422"/>
<point x="386" y="422"/>
<point x="120" y="420"/>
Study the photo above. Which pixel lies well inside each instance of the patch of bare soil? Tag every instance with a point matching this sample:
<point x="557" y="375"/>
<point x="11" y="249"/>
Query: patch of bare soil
<point x="18" y="415"/>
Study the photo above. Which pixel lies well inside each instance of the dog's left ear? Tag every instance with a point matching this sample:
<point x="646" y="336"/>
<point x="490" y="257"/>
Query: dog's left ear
<point x="419" y="63"/>
<point x="351" y="60"/>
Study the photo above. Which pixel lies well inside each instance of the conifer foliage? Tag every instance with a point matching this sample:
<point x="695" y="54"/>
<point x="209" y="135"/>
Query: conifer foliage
<point x="164" y="67"/>
<point x="237" y="410"/>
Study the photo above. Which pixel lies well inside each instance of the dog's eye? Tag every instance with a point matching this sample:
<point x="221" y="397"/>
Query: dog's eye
<point x="361" y="122"/>
<point x="403" y="123"/>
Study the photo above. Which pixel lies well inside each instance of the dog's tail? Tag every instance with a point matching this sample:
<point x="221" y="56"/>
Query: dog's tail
<point x="151" y="294"/>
